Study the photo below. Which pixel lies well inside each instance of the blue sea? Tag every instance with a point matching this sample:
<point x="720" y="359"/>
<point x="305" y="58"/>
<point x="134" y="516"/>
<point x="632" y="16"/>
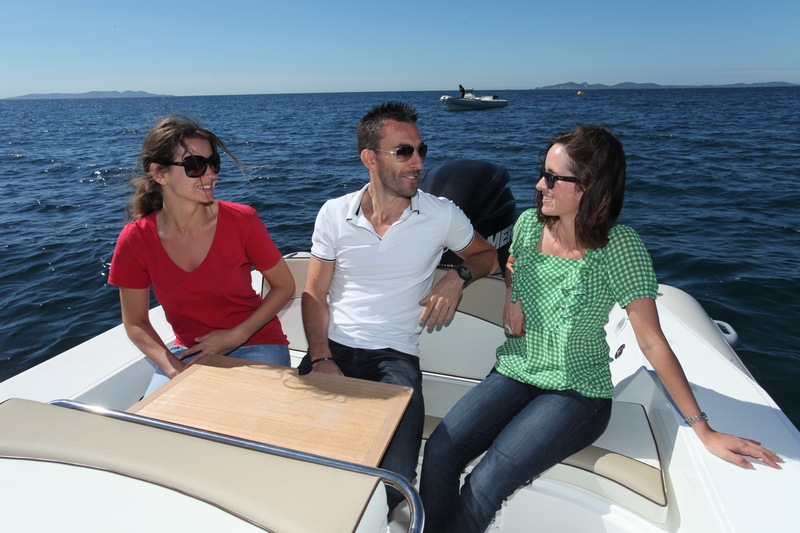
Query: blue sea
<point x="713" y="191"/>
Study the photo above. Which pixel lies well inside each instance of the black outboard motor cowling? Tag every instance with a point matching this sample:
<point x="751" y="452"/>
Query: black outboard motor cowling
<point x="481" y="189"/>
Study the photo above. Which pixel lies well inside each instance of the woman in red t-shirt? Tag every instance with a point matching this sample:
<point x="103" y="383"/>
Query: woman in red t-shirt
<point x="197" y="254"/>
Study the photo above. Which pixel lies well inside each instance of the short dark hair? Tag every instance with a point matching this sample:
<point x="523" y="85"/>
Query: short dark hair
<point x="598" y="161"/>
<point x="368" y="131"/>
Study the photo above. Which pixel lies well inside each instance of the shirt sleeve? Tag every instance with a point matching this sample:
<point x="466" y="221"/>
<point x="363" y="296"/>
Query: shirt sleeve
<point x="522" y="246"/>
<point x="259" y="247"/>
<point x="322" y="239"/>
<point x="129" y="268"/>
<point x="460" y="232"/>
<point x="522" y="227"/>
<point x="629" y="267"/>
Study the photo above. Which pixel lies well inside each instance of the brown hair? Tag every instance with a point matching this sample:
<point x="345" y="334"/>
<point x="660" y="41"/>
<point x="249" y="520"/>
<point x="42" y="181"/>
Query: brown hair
<point x="597" y="159"/>
<point x="159" y="148"/>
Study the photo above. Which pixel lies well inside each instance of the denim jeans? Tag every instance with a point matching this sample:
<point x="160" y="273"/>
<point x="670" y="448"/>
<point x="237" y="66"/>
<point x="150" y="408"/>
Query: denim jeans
<point x="270" y="354"/>
<point x="523" y="429"/>
<point x="388" y="366"/>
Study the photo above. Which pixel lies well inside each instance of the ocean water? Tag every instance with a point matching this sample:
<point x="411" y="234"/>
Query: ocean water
<point x="713" y="191"/>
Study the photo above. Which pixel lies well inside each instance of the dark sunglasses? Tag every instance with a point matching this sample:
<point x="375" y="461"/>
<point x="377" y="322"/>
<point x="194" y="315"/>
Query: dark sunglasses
<point x="403" y="153"/>
<point x="550" y="179"/>
<point x="196" y="165"/>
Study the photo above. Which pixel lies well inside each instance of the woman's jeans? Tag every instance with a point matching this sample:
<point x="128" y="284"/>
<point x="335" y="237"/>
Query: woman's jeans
<point x="523" y="429"/>
<point x="270" y="354"/>
<point x="388" y="366"/>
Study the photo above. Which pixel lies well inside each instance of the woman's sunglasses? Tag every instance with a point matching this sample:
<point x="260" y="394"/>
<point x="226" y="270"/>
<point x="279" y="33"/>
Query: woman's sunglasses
<point x="550" y="179"/>
<point x="196" y="165"/>
<point x="403" y="153"/>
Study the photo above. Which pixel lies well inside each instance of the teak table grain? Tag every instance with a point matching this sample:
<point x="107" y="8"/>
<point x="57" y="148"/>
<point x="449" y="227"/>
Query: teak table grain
<point x="333" y="416"/>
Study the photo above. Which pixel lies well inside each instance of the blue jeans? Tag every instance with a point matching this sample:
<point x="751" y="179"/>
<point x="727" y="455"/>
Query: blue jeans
<point x="523" y="429"/>
<point x="388" y="366"/>
<point x="270" y="354"/>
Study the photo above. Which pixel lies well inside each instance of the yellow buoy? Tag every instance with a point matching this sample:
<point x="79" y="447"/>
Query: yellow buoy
<point x="580" y="93"/>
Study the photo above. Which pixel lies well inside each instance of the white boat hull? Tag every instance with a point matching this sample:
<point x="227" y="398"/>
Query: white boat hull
<point x="648" y="472"/>
<point x="473" y="103"/>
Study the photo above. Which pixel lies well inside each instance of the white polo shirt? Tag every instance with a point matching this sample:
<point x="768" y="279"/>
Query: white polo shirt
<point x="378" y="282"/>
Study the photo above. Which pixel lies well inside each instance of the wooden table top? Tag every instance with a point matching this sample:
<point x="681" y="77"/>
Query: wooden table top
<point x="333" y="416"/>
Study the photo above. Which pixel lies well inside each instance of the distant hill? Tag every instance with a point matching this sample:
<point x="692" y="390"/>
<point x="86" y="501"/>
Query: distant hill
<point x="572" y="86"/>
<point x="91" y="94"/>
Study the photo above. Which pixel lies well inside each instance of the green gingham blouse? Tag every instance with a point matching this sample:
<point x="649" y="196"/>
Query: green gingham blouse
<point x="566" y="304"/>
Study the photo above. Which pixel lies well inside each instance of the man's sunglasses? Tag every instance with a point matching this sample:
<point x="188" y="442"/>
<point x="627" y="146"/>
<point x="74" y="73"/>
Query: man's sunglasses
<point x="403" y="153"/>
<point x="550" y="179"/>
<point x="196" y="165"/>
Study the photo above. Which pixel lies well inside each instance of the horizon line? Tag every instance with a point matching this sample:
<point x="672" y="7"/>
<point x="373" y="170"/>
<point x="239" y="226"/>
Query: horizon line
<point x="558" y="86"/>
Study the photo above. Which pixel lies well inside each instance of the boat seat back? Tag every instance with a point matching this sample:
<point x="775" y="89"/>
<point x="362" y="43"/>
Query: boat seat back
<point x="466" y="347"/>
<point x="298" y="266"/>
<point x="290" y="315"/>
<point x="269" y="491"/>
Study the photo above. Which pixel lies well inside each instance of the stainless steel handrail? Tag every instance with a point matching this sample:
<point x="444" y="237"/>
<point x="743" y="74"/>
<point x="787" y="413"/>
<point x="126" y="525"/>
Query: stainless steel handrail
<point x="398" y="482"/>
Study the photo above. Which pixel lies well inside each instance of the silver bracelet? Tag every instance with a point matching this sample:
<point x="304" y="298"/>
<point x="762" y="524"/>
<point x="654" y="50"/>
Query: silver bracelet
<point x="692" y="419"/>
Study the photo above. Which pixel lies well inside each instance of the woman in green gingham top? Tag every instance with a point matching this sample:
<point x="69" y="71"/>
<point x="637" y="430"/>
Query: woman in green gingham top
<point x="549" y="394"/>
<point x="566" y="303"/>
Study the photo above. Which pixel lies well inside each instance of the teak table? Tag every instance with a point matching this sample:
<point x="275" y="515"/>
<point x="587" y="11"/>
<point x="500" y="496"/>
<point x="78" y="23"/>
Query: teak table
<point x="333" y="416"/>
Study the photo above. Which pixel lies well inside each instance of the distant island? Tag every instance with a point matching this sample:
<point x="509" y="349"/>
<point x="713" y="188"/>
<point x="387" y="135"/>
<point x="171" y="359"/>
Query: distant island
<point x="91" y="94"/>
<point x="572" y="86"/>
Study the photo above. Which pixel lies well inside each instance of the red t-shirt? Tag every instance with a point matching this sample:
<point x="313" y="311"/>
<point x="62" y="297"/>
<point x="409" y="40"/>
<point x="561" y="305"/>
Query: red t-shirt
<point x="217" y="295"/>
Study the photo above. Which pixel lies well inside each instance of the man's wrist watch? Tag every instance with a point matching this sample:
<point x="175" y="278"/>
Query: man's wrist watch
<point x="464" y="273"/>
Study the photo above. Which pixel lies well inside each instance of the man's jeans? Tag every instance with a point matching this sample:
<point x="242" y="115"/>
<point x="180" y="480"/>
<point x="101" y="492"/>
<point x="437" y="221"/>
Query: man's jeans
<point x="523" y="429"/>
<point x="388" y="366"/>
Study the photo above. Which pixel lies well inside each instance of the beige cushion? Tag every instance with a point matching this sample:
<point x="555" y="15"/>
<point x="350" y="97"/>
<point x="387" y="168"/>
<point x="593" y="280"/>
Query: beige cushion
<point x="270" y="491"/>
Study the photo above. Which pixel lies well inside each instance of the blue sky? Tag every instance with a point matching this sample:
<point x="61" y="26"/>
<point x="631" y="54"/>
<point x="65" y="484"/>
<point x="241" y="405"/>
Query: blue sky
<point x="197" y="47"/>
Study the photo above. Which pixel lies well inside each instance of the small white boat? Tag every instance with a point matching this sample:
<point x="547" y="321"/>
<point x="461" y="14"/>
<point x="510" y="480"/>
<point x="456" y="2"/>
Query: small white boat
<point x="93" y="467"/>
<point x="471" y="101"/>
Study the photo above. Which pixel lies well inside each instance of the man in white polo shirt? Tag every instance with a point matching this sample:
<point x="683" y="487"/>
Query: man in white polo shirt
<point x="374" y="252"/>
